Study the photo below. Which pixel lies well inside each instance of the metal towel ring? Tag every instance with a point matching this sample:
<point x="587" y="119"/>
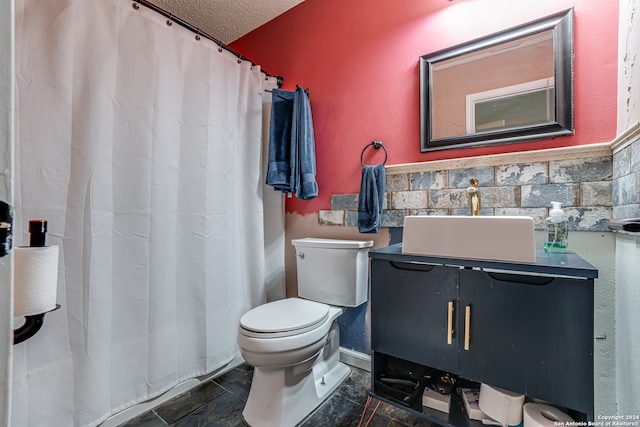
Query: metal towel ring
<point x="376" y="145"/>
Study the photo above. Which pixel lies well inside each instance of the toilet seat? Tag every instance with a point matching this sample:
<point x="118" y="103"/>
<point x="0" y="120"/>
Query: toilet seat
<point x="283" y="318"/>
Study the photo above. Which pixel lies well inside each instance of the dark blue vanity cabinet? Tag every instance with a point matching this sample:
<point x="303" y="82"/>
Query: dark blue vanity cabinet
<point x="409" y="305"/>
<point x="527" y="328"/>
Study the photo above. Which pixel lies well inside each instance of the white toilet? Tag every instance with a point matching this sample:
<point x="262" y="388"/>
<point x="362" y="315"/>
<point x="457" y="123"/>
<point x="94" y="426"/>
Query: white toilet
<point x="293" y="344"/>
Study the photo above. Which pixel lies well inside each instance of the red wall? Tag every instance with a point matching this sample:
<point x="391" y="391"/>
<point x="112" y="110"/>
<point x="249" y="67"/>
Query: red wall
<point x="360" y="60"/>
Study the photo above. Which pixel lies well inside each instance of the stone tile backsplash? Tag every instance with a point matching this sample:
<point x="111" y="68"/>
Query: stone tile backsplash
<point x="591" y="190"/>
<point x="626" y="181"/>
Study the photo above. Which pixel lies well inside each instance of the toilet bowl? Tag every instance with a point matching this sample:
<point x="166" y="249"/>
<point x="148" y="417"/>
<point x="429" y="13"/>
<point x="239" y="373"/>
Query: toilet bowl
<point x="293" y="344"/>
<point x="296" y="363"/>
<point x="297" y="332"/>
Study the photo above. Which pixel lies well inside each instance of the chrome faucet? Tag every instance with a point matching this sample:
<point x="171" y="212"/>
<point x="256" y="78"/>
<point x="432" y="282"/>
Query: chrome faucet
<point x="474" y="197"/>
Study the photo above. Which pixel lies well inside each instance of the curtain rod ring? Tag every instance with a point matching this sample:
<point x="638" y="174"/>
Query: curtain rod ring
<point x="170" y="20"/>
<point x="136" y="6"/>
<point x="198" y="35"/>
<point x="376" y="145"/>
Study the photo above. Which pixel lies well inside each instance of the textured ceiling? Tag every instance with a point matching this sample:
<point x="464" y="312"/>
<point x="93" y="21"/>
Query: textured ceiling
<point x="226" y="20"/>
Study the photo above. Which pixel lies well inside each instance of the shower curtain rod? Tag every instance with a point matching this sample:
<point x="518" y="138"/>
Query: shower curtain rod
<point x="200" y="33"/>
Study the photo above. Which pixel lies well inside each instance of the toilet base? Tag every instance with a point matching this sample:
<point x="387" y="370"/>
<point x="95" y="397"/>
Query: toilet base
<point x="268" y="406"/>
<point x="284" y="397"/>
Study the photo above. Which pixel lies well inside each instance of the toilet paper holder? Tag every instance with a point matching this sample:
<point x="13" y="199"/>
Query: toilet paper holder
<point x="33" y="322"/>
<point x="30" y="327"/>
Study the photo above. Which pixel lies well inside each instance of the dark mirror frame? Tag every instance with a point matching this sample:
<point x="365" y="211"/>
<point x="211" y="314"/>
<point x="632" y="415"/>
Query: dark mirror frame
<point x="561" y="25"/>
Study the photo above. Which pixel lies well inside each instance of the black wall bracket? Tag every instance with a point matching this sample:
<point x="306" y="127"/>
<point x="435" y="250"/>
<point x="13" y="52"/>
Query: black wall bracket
<point x="6" y="224"/>
<point x="31" y="326"/>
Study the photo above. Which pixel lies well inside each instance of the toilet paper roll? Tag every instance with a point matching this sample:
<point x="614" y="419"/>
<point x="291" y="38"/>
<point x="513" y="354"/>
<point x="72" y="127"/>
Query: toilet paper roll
<point x="543" y="415"/>
<point x="502" y="405"/>
<point x="35" y="279"/>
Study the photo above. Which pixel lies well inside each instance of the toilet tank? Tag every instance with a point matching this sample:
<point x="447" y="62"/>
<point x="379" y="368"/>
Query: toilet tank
<point x="334" y="272"/>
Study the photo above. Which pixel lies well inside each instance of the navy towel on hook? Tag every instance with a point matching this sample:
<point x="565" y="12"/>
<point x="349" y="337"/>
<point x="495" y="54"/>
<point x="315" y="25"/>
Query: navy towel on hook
<point x="292" y="153"/>
<point x="371" y="198"/>
<point x="279" y="168"/>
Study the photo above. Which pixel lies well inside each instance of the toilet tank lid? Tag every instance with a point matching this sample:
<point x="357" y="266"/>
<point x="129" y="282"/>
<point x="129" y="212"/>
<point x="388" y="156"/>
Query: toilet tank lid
<point x="331" y="243"/>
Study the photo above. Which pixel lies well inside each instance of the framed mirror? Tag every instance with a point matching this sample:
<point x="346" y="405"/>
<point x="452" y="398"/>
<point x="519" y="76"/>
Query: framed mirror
<point x="512" y="86"/>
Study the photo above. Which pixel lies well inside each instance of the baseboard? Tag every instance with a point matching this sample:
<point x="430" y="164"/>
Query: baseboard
<point x="355" y="359"/>
<point x="141" y="408"/>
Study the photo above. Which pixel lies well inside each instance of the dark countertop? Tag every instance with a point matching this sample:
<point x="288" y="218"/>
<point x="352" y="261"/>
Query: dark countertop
<point x="568" y="264"/>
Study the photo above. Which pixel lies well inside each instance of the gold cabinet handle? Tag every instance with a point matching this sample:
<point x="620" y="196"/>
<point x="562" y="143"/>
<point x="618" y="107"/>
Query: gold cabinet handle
<point x="450" y="324"/>
<point x="467" y="326"/>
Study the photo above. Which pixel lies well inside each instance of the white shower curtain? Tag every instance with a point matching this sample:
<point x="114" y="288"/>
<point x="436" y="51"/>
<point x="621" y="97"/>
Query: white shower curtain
<point x="141" y="146"/>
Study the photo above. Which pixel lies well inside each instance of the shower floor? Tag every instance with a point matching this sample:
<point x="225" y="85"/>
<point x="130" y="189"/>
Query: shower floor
<point x="219" y="402"/>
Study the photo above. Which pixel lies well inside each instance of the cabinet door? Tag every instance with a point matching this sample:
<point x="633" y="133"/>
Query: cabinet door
<point x="410" y="306"/>
<point x="530" y="334"/>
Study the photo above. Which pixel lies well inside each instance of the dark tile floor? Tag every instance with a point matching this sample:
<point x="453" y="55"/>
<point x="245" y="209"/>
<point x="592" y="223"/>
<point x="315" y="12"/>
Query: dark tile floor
<point x="219" y="402"/>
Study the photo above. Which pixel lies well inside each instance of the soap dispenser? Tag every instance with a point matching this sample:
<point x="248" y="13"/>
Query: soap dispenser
<point x="556" y="227"/>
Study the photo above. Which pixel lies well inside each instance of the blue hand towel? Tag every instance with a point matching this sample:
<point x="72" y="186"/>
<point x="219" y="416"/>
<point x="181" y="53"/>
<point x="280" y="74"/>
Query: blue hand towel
<point x="279" y="168"/>
<point x="370" y="200"/>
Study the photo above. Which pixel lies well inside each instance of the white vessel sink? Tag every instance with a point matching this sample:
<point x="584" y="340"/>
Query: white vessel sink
<point x="499" y="238"/>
